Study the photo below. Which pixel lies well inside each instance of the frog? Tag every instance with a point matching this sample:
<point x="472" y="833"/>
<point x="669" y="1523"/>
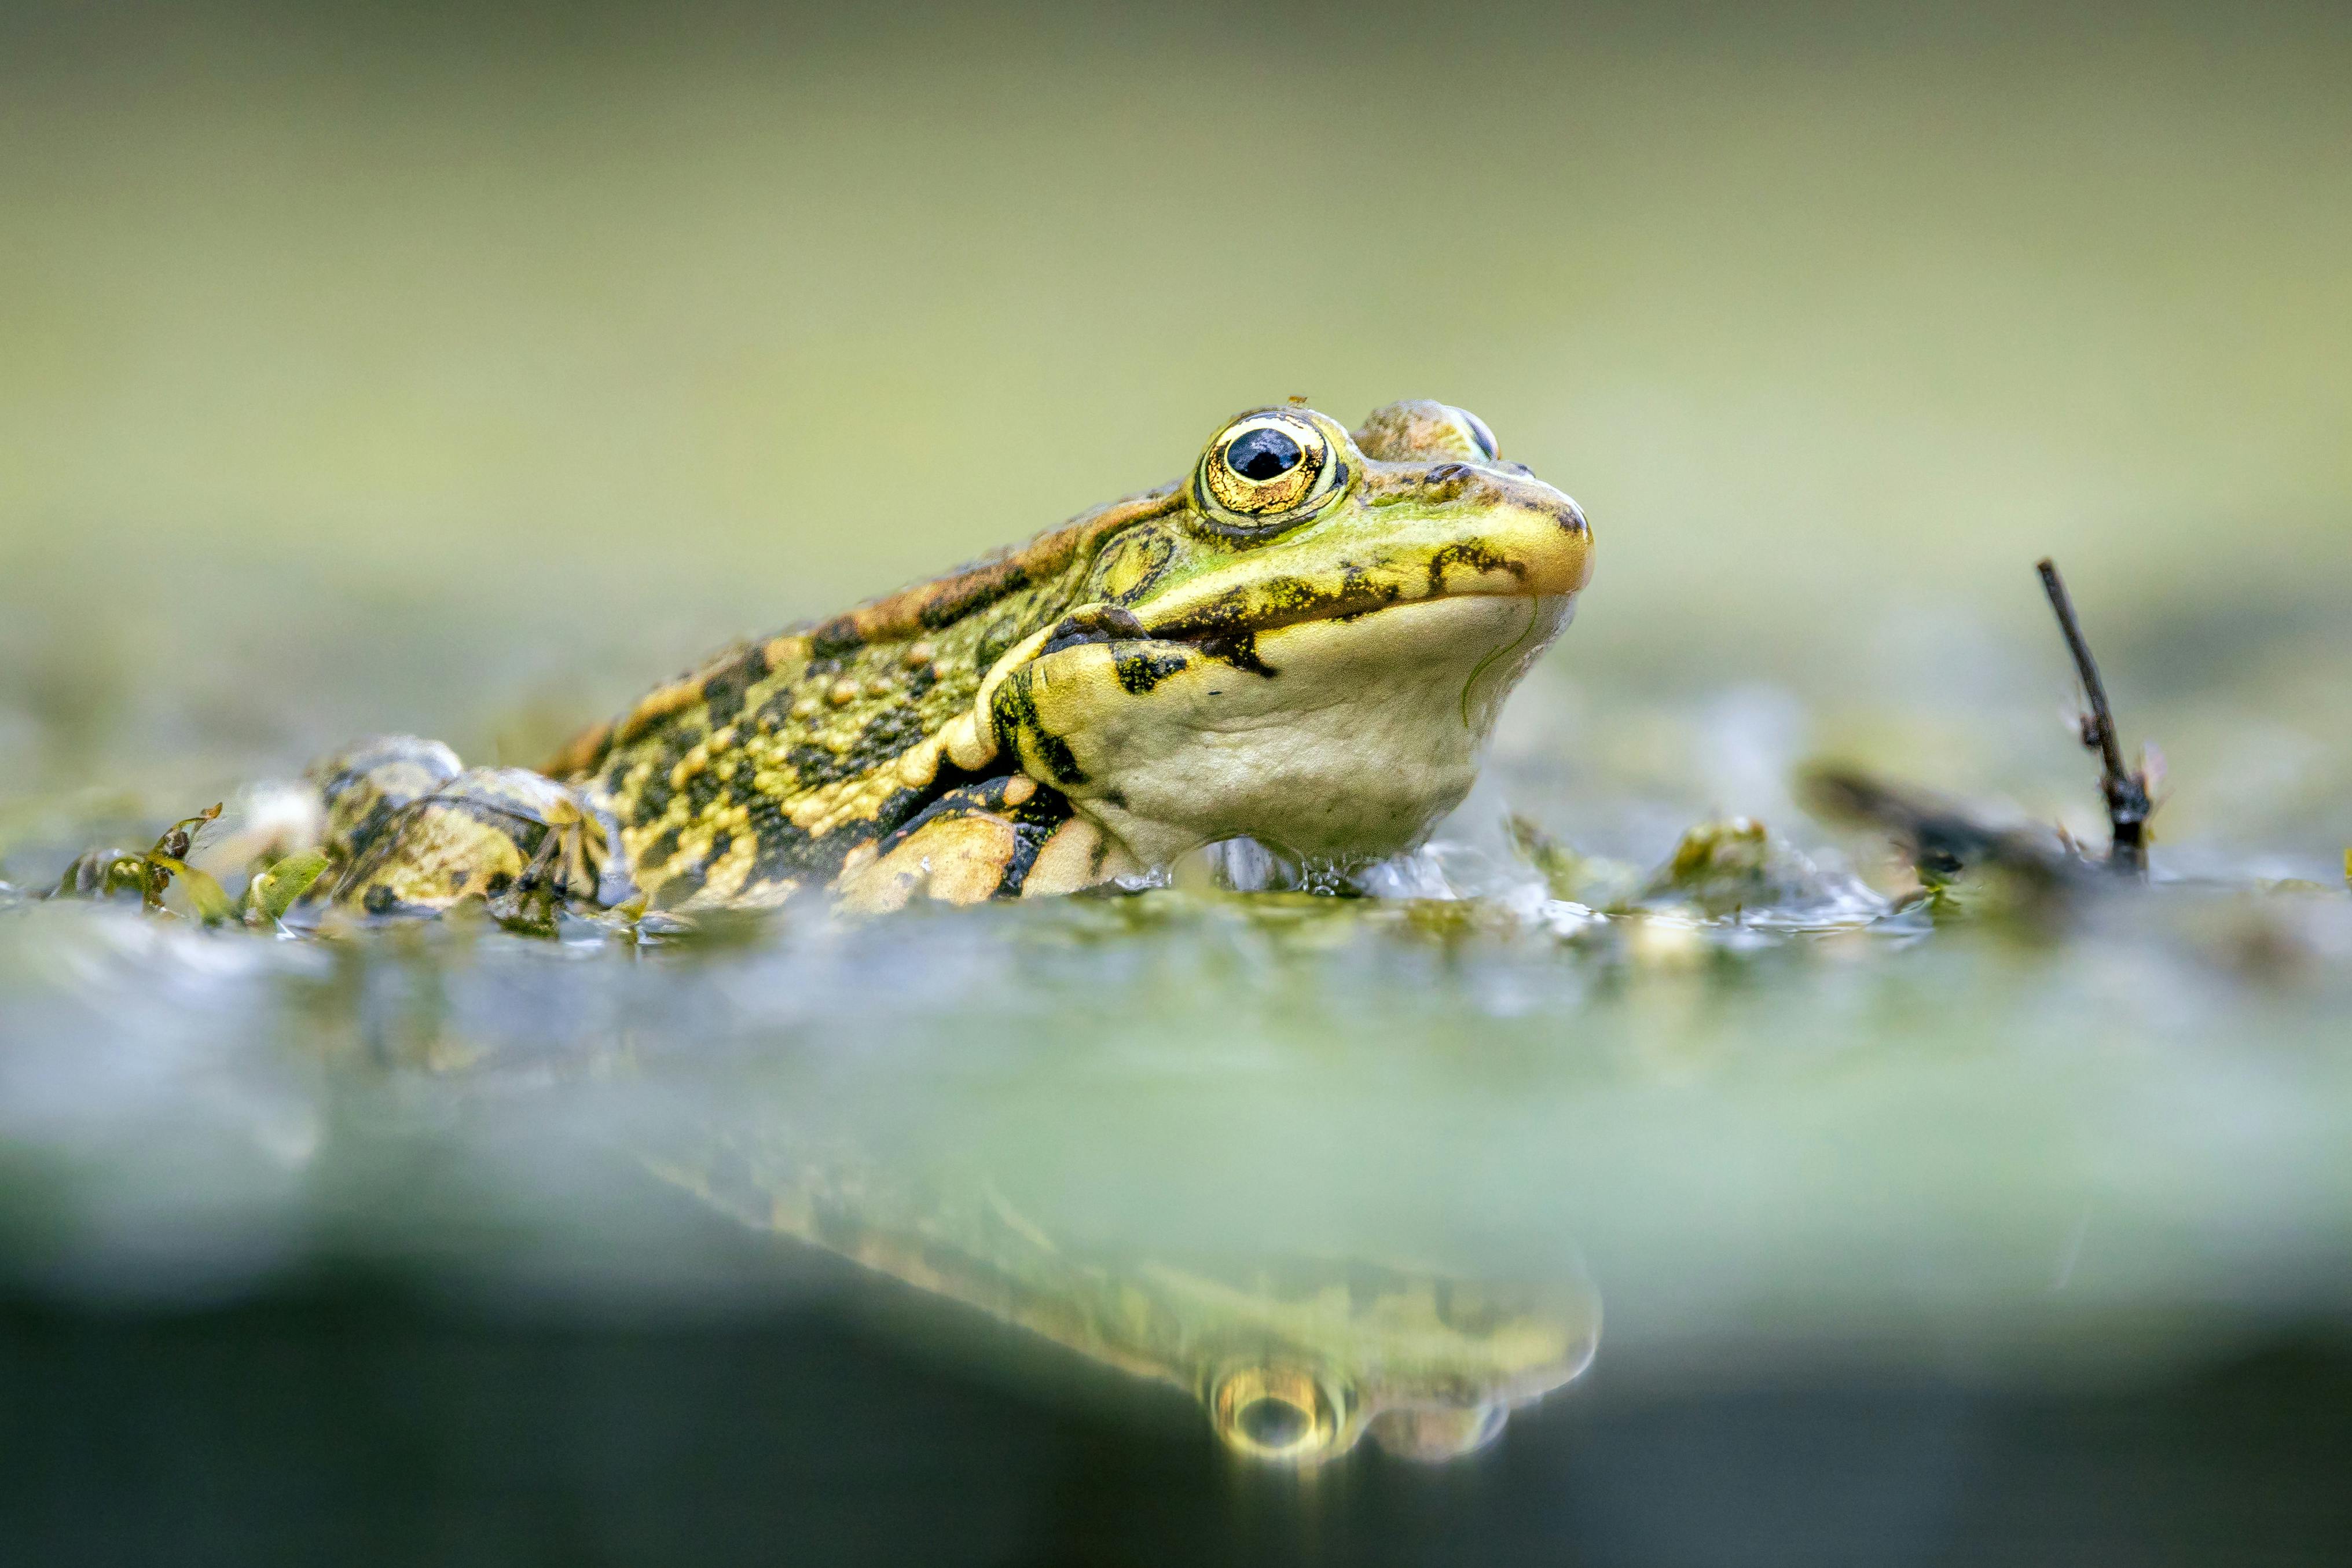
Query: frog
<point x="1294" y="1358"/>
<point x="1304" y="640"/>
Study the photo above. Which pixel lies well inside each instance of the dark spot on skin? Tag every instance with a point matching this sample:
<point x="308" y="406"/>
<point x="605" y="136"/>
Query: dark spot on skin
<point x="661" y="851"/>
<point x="1059" y="761"/>
<point x="378" y="900"/>
<point x="1139" y="670"/>
<point x="499" y="882"/>
<point x="1235" y="647"/>
<point x="993" y="642"/>
<point x="816" y="766"/>
<point x="720" y="842"/>
<point x="1096" y="623"/>
<point x="703" y="788"/>
<point x="921" y="681"/>
<point x="458" y="879"/>
<point x="782" y="843"/>
<point x="370" y="826"/>
<point x="724" y="690"/>
<point x="1034" y="821"/>
<point x="788" y="852"/>
<point x="1013" y="712"/>
<point x="821" y="669"/>
<point x="885" y="735"/>
<point x="1476" y="556"/>
<point x="977" y="590"/>
<point x="834" y="638"/>
<point x="777" y="711"/>
<point x="654" y="800"/>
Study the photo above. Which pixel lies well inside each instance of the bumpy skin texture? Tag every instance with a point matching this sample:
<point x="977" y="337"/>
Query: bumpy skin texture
<point x="1304" y="639"/>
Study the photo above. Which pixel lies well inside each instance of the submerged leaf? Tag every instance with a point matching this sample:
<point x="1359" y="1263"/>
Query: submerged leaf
<point x="213" y="905"/>
<point x="274" y="890"/>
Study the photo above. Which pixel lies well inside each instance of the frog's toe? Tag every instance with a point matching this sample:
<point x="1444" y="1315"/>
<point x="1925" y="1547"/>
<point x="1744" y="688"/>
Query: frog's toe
<point x="520" y="842"/>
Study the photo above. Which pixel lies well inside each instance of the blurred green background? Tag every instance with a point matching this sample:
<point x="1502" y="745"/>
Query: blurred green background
<point x="468" y="369"/>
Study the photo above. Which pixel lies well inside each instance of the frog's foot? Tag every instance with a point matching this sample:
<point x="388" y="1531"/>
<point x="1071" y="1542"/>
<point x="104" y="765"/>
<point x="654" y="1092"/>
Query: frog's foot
<point x="999" y="838"/>
<point x="411" y="834"/>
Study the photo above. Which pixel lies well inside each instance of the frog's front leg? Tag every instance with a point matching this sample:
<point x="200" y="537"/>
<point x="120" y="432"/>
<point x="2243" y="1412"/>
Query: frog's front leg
<point x="409" y="833"/>
<point x="997" y="838"/>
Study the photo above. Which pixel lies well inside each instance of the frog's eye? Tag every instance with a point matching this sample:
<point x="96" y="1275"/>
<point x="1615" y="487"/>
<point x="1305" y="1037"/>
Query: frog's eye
<point x="1479" y="434"/>
<point x="1267" y="471"/>
<point x="1276" y="1413"/>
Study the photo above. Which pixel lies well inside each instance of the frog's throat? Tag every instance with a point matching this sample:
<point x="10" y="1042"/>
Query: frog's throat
<point x="1339" y="741"/>
<point x="1223" y="619"/>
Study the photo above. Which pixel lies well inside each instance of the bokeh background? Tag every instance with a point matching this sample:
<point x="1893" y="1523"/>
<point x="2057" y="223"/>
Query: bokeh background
<point x="467" y="369"/>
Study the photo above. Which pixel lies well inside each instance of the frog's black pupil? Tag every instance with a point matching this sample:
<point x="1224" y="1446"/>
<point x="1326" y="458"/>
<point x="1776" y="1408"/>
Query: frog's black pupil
<point x="1272" y="1422"/>
<point x="1262" y="454"/>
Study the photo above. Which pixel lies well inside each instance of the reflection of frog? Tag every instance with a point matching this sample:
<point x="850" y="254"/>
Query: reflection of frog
<point x="1295" y="1360"/>
<point x="1304" y="640"/>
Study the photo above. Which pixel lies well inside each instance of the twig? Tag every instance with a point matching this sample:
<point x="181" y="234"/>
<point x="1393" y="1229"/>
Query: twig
<point x="2126" y="790"/>
<point x="1944" y="838"/>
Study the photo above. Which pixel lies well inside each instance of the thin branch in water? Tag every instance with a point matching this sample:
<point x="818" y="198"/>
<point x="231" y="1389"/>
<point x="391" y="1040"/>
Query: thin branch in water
<point x="2128" y="807"/>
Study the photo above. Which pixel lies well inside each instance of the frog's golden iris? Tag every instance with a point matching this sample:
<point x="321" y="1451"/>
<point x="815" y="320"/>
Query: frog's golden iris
<point x="1275" y="1413"/>
<point x="1304" y="642"/>
<point x="1269" y="471"/>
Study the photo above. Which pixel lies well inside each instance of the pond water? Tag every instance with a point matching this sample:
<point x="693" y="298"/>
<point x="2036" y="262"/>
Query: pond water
<point x="365" y="375"/>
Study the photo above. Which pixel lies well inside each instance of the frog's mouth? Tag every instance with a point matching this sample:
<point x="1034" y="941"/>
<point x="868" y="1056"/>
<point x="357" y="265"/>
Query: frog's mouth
<point x="1227" y="625"/>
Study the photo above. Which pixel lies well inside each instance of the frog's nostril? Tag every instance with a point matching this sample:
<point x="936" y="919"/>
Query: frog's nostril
<point x="1448" y="474"/>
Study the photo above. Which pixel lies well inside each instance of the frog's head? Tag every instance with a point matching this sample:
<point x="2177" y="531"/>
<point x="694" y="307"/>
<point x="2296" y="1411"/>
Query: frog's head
<point x="1306" y="641"/>
<point x="1430" y="1368"/>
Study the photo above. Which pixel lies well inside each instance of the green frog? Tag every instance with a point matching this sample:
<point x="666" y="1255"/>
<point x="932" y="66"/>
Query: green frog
<point x="1296" y="1360"/>
<point x="1304" y="640"/>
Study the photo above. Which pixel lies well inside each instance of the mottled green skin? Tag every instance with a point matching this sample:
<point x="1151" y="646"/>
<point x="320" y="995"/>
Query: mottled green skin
<point x="759" y="781"/>
<point x="931" y="741"/>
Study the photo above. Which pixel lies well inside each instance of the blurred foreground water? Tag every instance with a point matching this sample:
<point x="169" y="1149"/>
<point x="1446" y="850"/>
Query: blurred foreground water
<point x="1914" y="1182"/>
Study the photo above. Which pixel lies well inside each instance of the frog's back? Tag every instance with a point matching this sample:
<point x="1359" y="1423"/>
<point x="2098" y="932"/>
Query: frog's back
<point x="778" y="762"/>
